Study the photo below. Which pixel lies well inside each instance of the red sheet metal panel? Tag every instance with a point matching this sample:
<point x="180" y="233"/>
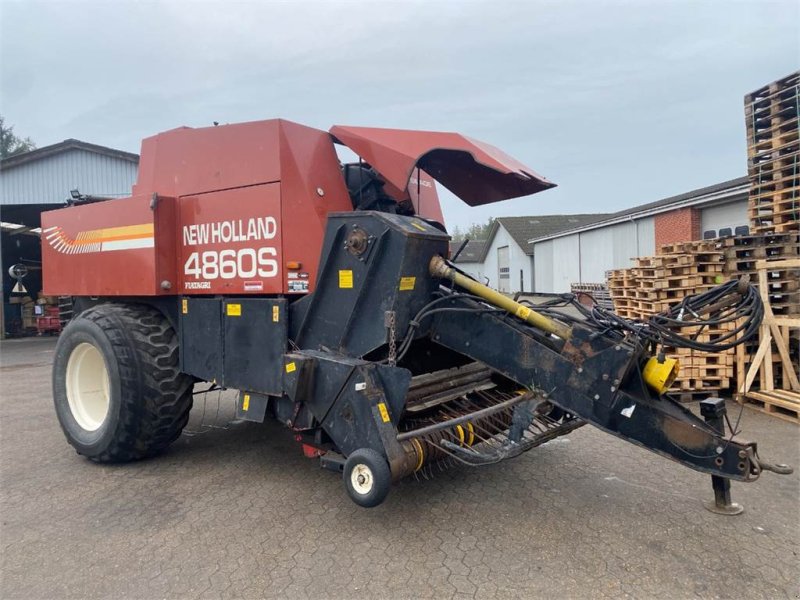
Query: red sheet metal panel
<point x="242" y="209"/>
<point x="248" y="195"/>
<point x="231" y="242"/>
<point x="476" y="172"/>
<point x="113" y="248"/>
<point x="188" y="161"/>
<point x="311" y="187"/>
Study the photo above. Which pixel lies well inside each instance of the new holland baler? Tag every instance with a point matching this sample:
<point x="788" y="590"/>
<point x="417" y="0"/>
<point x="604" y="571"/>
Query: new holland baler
<point x="247" y="256"/>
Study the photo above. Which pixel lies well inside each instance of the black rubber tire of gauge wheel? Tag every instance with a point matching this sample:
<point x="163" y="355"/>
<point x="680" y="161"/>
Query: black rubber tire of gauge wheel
<point x="381" y="475"/>
<point x="148" y="397"/>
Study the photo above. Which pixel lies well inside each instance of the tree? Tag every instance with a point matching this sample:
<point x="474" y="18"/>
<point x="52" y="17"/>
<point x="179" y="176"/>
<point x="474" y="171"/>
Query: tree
<point x="10" y="144"/>
<point x="476" y="231"/>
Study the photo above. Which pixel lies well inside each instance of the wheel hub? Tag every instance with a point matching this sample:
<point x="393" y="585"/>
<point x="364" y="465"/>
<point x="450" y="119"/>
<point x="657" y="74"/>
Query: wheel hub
<point x="362" y="479"/>
<point x="87" y="386"/>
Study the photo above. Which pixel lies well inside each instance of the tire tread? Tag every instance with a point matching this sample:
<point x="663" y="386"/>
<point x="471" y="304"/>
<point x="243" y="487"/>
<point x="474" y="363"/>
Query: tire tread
<point x="155" y="407"/>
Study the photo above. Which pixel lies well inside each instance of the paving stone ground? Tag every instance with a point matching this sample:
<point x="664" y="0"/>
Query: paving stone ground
<point x="239" y="513"/>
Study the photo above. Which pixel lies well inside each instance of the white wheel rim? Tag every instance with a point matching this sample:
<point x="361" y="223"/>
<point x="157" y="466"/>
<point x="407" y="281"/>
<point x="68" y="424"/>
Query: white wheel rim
<point x="87" y="386"/>
<point x="361" y="479"/>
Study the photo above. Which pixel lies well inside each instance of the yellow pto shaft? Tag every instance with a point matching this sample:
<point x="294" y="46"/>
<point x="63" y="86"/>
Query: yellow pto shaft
<point x="439" y="268"/>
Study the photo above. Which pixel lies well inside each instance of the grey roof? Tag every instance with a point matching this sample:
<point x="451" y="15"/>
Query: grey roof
<point x="665" y="202"/>
<point x="471" y="253"/>
<point x="522" y="229"/>
<point x="70" y="144"/>
<point x="662" y="205"/>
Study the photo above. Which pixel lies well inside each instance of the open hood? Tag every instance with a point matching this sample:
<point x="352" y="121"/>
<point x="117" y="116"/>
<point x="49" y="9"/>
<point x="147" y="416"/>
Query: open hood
<point x="474" y="171"/>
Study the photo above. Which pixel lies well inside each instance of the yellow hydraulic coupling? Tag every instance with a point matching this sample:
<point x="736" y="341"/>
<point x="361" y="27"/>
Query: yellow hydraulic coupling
<point x="660" y="375"/>
<point x="439" y="268"/>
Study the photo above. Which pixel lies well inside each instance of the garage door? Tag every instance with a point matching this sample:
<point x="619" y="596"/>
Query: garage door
<point x="503" y="271"/>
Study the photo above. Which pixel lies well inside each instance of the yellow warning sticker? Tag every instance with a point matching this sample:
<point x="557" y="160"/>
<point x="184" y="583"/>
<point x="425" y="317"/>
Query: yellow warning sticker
<point x="345" y="279"/>
<point x="246" y="402"/>
<point x="291" y="367"/>
<point x="185" y="306"/>
<point x="234" y="310"/>
<point x="407" y="283"/>
<point x="523" y="312"/>
<point x="276" y="313"/>
<point x="383" y="411"/>
<point x="417" y="225"/>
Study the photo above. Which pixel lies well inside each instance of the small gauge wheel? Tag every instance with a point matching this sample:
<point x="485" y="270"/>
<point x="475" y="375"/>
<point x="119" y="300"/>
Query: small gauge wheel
<point x="367" y="477"/>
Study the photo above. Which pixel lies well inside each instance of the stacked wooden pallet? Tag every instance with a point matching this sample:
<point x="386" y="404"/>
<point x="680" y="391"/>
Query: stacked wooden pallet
<point x="699" y="266"/>
<point x="781" y="288"/>
<point x="773" y="386"/>
<point x="773" y="151"/>
<point x="658" y="282"/>
<point x="783" y="285"/>
<point x="622" y="289"/>
<point x="762" y="372"/>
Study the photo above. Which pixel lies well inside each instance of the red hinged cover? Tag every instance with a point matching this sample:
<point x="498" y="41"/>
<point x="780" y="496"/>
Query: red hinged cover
<point x="476" y="172"/>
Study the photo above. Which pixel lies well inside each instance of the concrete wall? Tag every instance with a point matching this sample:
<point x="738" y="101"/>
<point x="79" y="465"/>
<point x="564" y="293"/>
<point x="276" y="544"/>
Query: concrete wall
<point x="50" y="179"/>
<point x="585" y="257"/>
<point x="730" y="215"/>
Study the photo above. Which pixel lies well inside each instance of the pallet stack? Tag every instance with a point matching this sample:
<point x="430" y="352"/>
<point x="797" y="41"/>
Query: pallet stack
<point x="742" y="254"/>
<point x="773" y="386"/>
<point x="656" y="283"/>
<point x="782" y="289"/>
<point x="773" y="156"/>
<point x="622" y="290"/>
<point x="771" y="261"/>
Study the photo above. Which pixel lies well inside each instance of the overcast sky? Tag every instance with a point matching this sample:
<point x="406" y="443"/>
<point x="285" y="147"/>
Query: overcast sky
<point x="619" y="103"/>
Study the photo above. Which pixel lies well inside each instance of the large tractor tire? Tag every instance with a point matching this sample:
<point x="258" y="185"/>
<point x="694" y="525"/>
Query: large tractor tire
<point x="117" y="388"/>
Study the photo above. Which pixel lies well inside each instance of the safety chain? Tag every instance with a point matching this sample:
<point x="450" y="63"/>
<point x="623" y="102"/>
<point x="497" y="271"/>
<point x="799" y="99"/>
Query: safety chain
<point x="389" y="322"/>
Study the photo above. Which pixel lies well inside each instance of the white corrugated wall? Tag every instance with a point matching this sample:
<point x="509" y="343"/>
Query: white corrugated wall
<point x="566" y="262"/>
<point x="543" y="266"/>
<point x="585" y="257"/>
<point x="50" y="179"/>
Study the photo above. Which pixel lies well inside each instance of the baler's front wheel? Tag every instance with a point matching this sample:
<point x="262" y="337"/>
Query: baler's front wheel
<point x="117" y="388"/>
<point x="367" y="477"/>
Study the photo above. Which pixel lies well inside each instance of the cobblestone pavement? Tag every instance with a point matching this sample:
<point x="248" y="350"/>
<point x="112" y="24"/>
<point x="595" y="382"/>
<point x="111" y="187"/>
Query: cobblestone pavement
<point x="239" y="512"/>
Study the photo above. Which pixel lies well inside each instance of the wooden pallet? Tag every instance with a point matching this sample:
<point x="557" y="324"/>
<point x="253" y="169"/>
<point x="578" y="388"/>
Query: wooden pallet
<point x="763" y="100"/>
<point x="702" y="384"/>
<point x="773" y="155"/>
<point x="743" y="253"/>
<point x="781" y="404"/>
<point x="774" y="333"/>
<point x="665" y="260"/>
